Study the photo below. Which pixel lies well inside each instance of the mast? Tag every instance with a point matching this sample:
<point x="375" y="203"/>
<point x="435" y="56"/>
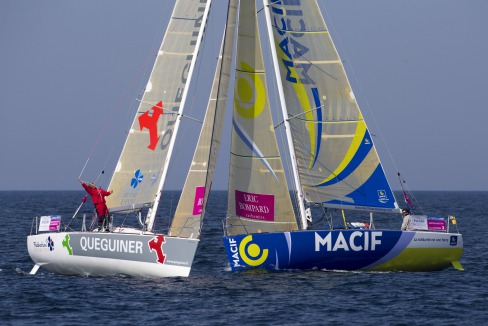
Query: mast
<point x="222" y="86"/>
<point x="296" y="178"/>
<point x="152" y="211"/>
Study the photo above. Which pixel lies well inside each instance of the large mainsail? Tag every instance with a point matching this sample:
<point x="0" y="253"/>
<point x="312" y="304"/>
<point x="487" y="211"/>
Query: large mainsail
<point x="258" y="200"/>
<point x="336" y="160"/>
<point x="142" y="167"/>
<point x="191" y="207"/>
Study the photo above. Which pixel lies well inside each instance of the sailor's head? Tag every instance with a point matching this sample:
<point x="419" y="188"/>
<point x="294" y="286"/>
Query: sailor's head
<point x="91" y="185"/>
<point x="405" y="212"/>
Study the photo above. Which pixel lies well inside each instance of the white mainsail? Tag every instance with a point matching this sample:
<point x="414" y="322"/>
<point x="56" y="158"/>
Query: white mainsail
<point x="337" y="163"/>
<point x="189" y="214"/>
<point x="258" y="199"/>
<point x="140" y="172"/>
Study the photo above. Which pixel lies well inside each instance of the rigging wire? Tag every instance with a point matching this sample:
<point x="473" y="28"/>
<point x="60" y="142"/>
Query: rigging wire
<point x="337" y="40"/>
<point x="406" y="194"/>
<point x="138" y="78"/>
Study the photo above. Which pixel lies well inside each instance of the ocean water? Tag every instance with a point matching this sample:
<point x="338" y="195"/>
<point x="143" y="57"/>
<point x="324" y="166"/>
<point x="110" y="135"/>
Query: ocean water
<point x="213" y="295"/>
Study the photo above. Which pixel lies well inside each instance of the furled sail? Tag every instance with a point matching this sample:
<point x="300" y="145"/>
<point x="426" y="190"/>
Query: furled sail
<point x="337" y="162"/>
<point x="140" y="172"/>
<point x="191" y="207"/>
<point x="258" y="199"/>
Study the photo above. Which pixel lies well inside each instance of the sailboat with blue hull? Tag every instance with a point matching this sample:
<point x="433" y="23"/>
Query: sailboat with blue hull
<point x="334" y="164"/>
<point x="350" y="250"/>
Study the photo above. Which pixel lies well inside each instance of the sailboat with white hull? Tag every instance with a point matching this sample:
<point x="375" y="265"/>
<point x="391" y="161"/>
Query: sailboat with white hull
<point x="139" y="176"/>
<point x="334" y="163"/>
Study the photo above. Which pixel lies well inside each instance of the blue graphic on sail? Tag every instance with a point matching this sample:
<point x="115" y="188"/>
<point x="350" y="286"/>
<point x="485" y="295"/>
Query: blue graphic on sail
<point x="251" y="145"/>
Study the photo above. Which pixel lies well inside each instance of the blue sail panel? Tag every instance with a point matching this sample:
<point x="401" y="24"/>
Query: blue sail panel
<point x="374" y="193"/>
<point x="355" y="163"/>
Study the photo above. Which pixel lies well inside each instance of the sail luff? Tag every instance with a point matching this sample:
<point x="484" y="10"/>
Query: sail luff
<point x="189" y="214"/>
<point x="296" y="176"/>
<point x="152" y="212"/>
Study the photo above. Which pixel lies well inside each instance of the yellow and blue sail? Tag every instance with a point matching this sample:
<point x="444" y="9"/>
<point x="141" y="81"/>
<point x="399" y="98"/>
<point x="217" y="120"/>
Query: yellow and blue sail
<point x="374" y="191"/>
<point x="337" y="162"/>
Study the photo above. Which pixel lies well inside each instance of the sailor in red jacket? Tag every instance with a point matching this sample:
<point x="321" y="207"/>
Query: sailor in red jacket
<point x="98" y="197"/>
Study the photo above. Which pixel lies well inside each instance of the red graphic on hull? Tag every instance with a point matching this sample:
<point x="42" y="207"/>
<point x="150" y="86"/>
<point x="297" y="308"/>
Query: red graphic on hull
<point x="156" y="244"/>
<point x="151" y="122"/>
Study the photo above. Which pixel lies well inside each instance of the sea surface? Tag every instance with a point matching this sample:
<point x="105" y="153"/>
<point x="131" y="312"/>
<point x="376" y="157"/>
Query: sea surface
<point x="213" y="295"/>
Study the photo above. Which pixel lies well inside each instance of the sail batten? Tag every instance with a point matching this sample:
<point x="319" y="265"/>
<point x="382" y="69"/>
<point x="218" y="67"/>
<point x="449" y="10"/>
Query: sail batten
<point x="176" y="54"/>
<point x="256" y="157"/>
<point x="253" y="72"/>
<point x="300" y="32"/>
<point x="324" y="122"/>
<point x="317" y="62"/>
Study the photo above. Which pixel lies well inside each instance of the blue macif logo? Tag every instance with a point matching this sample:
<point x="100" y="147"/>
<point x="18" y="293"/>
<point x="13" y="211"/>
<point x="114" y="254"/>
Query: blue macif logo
<point x="137" y="179"/>
<point x="453" y="240"/>
<point x="50" y="243"/>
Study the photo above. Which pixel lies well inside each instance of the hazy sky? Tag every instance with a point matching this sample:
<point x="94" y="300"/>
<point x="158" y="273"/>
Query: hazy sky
<point x="71" y="70"/>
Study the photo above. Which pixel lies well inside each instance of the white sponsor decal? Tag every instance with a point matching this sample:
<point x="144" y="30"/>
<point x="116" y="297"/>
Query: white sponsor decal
<point x="358" y="241"/>
<point x="234" y="250"/>
<point x="115" y="245"/>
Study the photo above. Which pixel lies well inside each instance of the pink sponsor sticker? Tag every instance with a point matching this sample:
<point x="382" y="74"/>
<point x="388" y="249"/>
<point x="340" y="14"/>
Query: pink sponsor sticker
<point x="198" y="202"/>
<point x="436" y="224"/>
<point x="255" y="206"/>
<point x="55" y="223"/>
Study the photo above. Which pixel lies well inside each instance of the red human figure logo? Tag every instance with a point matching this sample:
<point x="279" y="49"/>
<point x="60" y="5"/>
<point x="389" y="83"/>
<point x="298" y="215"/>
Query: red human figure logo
<point x="151" y="122"/>
<point x="156" y="244"/>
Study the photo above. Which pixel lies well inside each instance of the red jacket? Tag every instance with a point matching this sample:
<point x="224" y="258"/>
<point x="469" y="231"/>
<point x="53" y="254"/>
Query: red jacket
<point x="97" y="194"/>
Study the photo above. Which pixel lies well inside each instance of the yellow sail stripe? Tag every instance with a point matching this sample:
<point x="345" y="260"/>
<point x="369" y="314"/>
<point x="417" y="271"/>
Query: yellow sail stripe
<point x="301" y="93"/>
<point x="356" y="142"/>
<point x="306" y="106"/>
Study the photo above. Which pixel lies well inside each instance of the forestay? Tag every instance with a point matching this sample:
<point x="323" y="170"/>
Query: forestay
<point x="191" y="207"/>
